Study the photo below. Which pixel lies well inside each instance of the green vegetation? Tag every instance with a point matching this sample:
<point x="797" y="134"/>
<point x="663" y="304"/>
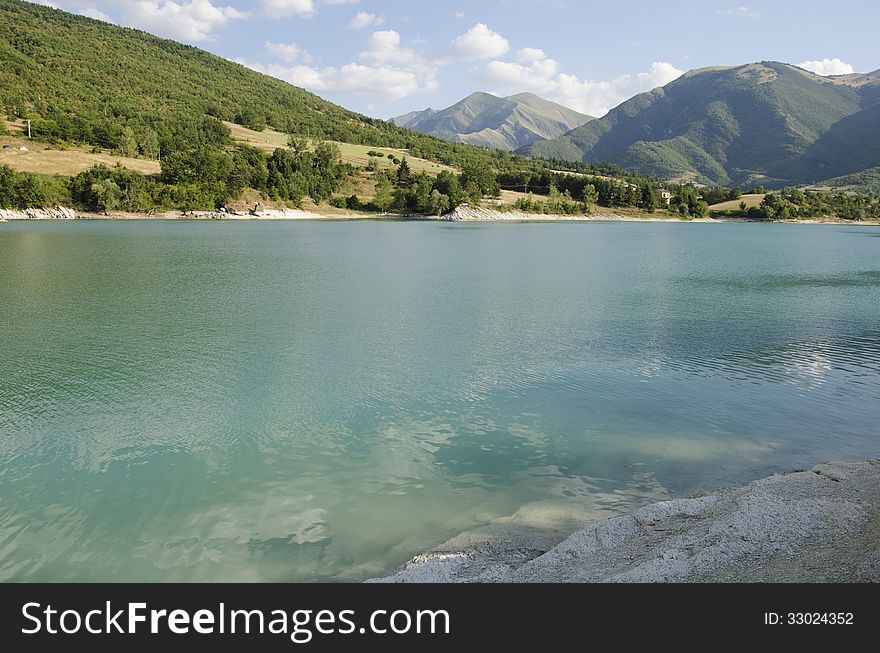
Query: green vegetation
<point x="769" y="122"/>
<point x="19" y="190"/>
<point x="687" y="202"/>
<point x="867" y="181"/>
<point x="559" y="203"/>
<point x="793" y="203"/>
<point x="603" y="185"/>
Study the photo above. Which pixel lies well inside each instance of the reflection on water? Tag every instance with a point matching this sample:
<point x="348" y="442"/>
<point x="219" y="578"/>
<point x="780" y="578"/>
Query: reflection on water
<point x="322" y="401"/>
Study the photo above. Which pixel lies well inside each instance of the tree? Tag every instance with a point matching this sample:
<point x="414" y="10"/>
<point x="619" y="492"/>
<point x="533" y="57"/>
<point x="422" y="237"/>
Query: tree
<point x="29" y="191"/>
<point x="649" y="200"/>
<point x="327" y="156"/>
<point x="687" y="202"/>
<point x="251" y="118"/>
<point x="298" y="144"/>
<point x="384" y="193"/>
<point x="148" y="141"/>
<point x="404" y="174"/>
<point x="590" y="195"/>
<point x="473" y="194"/>
<point x="7" y="188"/>
<point x="483" y="177"/>
<point x="437" y="204"/>
<point x="128" y="144"/>
<point x="449" y="185"/>
<point x="107" y="195"/>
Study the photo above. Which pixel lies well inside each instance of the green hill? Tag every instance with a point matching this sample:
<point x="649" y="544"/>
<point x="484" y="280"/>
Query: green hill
<point x="498" y="123"/>
<point x="83" y="80"/>
<point x="767" y="123"/>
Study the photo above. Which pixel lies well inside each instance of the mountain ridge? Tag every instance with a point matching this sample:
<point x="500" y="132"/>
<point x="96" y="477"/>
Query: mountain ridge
<point x="504" y="123"/>
<point x="767" y="122"/>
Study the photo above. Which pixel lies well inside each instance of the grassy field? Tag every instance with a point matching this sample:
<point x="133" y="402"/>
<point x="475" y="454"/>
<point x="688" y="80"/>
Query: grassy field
<point x="271" y="140"/>
<point x="44" y="159"/>
<point x="752" y="201"/>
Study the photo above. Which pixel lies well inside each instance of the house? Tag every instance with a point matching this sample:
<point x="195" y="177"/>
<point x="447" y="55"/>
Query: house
<point x="664" y="195"/>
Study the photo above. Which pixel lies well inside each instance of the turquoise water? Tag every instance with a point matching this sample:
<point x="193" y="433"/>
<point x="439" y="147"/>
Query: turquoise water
<point x="320" y="401"/>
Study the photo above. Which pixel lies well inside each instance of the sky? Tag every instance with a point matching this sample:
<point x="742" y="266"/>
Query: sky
<point x="388" y="57"/>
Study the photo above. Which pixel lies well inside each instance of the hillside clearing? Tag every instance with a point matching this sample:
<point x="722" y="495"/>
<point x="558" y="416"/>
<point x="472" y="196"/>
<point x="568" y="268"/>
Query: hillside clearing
<point x="752" y="201"/>
<point x="270" y="140"/>
<point x="45" y="160"/>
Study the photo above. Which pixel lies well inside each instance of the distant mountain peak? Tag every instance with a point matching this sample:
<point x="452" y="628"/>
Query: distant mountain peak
<point x="505" y="123"/>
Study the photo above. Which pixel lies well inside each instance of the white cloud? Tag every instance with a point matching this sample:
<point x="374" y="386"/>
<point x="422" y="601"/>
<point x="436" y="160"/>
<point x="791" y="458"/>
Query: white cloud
<point x="826" y="67"/>
<point x="385" y="82"/>
<point x="542" y="75"/>
<point x="480" y="42"/>
<point x="97" y="14"/>
<point x="384" y="48"/>
<point x="288" y="52"/>
<point x="387" y="70"/>
<point x="195" y="20"/>
<point x="741" y="12"/>
<point x="365" y="19"/>
<point x="288" y="8"/>
<point x="187" y="20"/>
<point x="530" y="55"/>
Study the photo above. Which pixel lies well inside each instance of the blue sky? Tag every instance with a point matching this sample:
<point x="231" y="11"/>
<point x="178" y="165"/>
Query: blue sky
<point x="388" y="57"/>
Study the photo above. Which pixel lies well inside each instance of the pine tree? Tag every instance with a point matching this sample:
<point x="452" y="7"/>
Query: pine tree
<point x="404" y="174"/>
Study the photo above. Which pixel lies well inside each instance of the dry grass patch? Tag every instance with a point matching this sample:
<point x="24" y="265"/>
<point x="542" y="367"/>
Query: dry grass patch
<point x="752" y="201"/>
<point x="358" y="155"/>
<point x="47" y="160"/>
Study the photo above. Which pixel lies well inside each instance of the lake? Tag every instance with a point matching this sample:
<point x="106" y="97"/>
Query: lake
<point x="185" y="401"/>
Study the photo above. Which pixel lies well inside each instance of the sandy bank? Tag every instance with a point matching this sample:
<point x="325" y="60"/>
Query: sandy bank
<point x="821" y="525"/>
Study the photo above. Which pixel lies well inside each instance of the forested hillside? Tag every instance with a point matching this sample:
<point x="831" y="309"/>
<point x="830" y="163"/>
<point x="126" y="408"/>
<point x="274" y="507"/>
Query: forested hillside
<point x="83" y="80"/>
<point x="767" y="123"/>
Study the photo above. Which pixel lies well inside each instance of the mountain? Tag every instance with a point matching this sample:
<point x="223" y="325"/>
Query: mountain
<point x="767" y="122"/>
<point x="498" y="123"/>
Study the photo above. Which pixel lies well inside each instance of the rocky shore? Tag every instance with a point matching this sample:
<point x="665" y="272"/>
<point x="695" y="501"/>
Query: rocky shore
<point x="464" y="213"/>
<point x="51" y="213"/>
<point x="61" y="213"/>
<point x="467" y="213"/>
<point x="820" y="525"/>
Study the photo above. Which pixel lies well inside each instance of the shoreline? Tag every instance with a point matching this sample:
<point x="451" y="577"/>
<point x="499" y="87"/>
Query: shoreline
<point x="462" y="214"/>
<point x="814" y="526"/>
